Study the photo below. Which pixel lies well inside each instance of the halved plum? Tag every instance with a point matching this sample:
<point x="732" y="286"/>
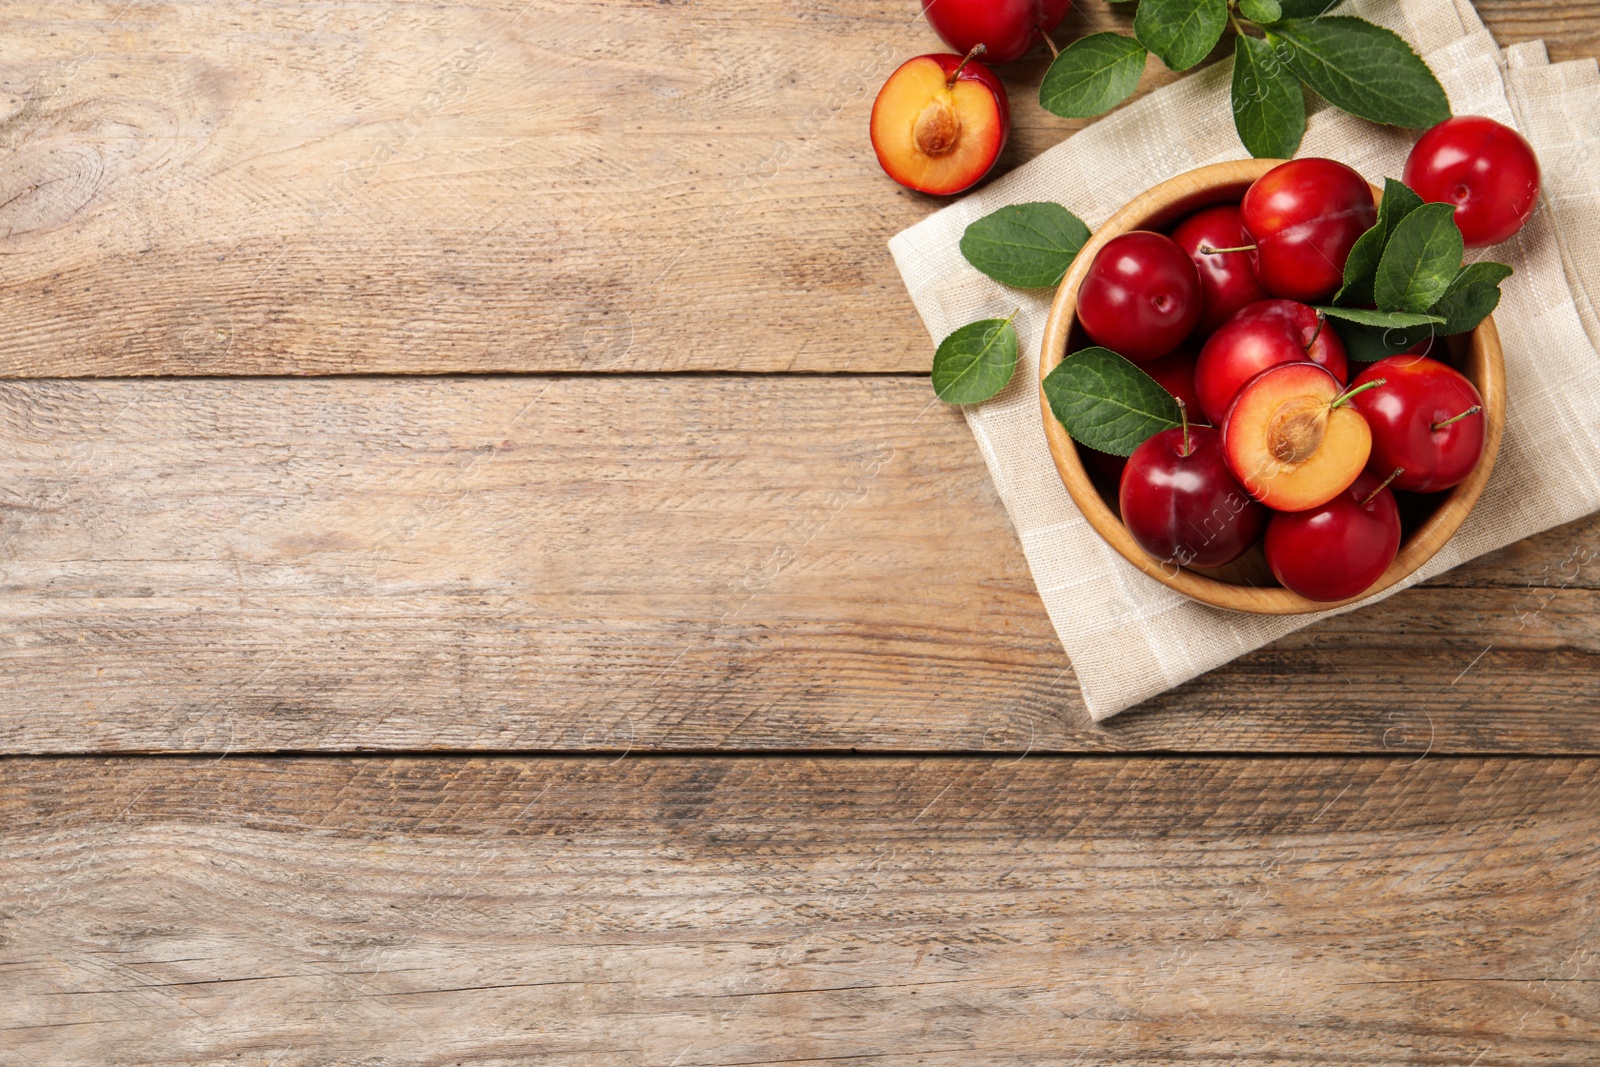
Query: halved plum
<point x="939" y="123"/>
<point x="1293" y="439"/>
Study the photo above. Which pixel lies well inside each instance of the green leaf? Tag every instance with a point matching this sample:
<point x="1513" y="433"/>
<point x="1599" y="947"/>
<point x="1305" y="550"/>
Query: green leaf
<point x="1362" y="265"/>
<point x="1398" y="201"/>
<point x="1420" y="261"/>
<point x="1306" y="9"/>
<point x="1029" y="246"/>
<point x="1365" y="69"/>
<point x="1368" y="317"/>
<point x="975" y="362"/>
<point x="1261" y="10"/>
<point x="1473" y="295"/>
<point x="1091" y="75"/>
<point x="1181" y="32"/>
<point x="1106" y="402"/>
<point x="1366" y="344"/>
<point x="1487" y="272"/>
<point x="1269" y="107"/>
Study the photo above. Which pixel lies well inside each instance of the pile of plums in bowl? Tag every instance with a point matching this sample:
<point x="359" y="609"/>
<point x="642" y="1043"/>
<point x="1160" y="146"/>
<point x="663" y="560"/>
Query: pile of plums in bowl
<point x="1297" y="477"/>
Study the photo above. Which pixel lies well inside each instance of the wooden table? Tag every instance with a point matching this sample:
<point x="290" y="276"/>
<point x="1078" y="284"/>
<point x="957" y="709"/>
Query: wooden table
<point x="484" y="583"/>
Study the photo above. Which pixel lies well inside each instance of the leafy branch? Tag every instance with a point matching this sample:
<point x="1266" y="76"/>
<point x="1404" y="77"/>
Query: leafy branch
<point x="1280" y="46"/>
<point x="1404" y="280"/>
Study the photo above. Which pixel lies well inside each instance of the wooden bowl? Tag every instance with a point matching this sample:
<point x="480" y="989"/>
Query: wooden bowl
<point x="1247" y="584"/>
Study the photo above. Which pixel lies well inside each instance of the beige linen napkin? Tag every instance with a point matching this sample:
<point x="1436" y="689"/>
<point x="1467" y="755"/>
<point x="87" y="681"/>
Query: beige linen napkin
<point x="1130" y="637"/>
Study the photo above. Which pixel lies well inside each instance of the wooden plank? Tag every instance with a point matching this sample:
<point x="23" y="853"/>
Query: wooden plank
<point x="227" y="188"/>
<point x="1570" y="31"/>
<point x="647" y="563"/>
<point x="461" y="186"/>
<point x="721" y="912"/>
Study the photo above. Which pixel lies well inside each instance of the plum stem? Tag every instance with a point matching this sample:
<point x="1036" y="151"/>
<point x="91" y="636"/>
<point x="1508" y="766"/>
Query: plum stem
<point x="1207" y="250"/>
<point x="1322" y="320"/>
<point x="1473" y="410"/>
<point x="1183" y="418"/>
<point x="1384" y="485"/>
<point x="1344" y="397"/>
<point x="1054" y="51"/>
<point x="977" y="50"/>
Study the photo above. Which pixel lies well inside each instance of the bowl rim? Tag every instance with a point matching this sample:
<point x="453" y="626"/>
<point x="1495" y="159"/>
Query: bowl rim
<point x="1172" y="198"/>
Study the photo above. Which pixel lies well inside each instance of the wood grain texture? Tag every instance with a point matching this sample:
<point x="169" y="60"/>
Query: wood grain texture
<point x="647" y="563"/>
<point x="720" y="912"/>
<point x="473" y="186"/>
<point x="1571" y="31"/>
<point x="580" y="185"/>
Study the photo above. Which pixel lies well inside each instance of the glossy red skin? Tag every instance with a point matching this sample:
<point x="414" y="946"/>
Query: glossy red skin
<point x="1007" y="29"/>
<point x="1188" y="510"/>
<point x="1227" y="279"/>
<point x="1264" y="334"/>
<point x="1338" y="550"/>
<point x="1417" y="393"/>
<point x="1303" y="216"/>
<point x="1485" y="169"/>
<point x="1141" y="296"/>
<point x="1175" y="373"/>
